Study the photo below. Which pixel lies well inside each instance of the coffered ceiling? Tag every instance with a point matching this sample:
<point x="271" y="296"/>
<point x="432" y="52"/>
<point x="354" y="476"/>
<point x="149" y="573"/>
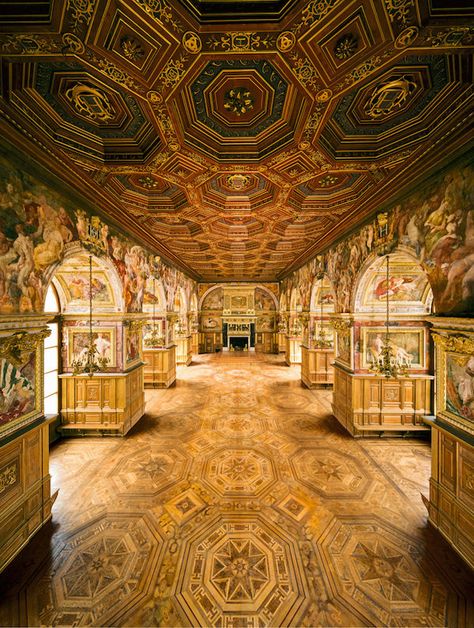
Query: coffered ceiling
<point x="238" y="138"/>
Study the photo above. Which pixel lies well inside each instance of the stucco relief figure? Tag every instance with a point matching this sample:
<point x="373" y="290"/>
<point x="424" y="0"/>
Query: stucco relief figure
<point x="210" y="323"/>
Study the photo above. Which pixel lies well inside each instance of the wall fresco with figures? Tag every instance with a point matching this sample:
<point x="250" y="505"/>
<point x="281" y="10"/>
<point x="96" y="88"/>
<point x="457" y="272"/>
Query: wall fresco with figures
<point x="37" y="225"/>
<point x="435" y="224"/>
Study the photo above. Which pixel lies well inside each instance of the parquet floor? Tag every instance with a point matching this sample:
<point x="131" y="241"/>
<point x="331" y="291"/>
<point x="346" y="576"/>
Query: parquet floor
<point x="237" y="501"/>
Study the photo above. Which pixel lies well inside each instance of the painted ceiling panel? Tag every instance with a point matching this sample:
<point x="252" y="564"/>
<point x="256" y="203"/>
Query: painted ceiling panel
<point x="239" y="137"/>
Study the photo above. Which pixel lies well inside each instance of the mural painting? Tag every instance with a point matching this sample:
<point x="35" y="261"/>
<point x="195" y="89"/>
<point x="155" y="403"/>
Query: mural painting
<point x="460" y="386"/>
<point x="214" y="300"/>
<point x="436" y="223"/>
<point x="263" y="301"/>
<point x="407" y="346"/>
<point x="132" y="346"/>
<point x="104" y="341"/>
<point x="36" y="226"/>
<point x="17" y="390"/>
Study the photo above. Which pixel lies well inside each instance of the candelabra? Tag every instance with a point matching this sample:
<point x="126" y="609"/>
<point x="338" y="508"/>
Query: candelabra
<point x="91" y="362"/>
<point x="386" y="363"/>
<point x="154" y="339"/>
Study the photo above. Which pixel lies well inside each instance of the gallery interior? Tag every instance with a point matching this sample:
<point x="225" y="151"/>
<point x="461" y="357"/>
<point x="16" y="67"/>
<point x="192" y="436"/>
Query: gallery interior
<point x="236" y="313"/>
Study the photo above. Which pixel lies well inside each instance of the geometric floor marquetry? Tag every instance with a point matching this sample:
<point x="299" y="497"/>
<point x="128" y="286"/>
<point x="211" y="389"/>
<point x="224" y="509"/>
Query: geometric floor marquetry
<point x="237" y="501"/>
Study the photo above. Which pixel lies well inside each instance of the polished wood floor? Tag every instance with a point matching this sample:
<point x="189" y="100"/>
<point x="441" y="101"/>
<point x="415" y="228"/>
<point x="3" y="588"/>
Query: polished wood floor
<point x="237" y="501"/>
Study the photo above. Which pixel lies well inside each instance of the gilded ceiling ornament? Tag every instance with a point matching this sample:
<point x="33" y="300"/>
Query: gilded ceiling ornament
<point x="131" y="48"/>
<point x="324" y="95"/>
<point x="406" y="37"/>
<point x="317" y="9"/>
<point x="389" y="96"/>
<point x="173" y="72"/>
<point x="192" y="42"/>
<point x="238" y="100"/>
<point x="154" y="97"/>
<point x="73" y="43"/>
<point x="237" y="181"/>
<point x="161" y="11"/>
<point x="286" y="41"/>
<point x="91" y="102"/>
<point x="114" y="72"/>
<point x="454" y="36"/>
<point x="305" y="71"/>
<point x="241" y="41"/>
<point x="346" y="47"/>
<point x="328" y="180"/>
<point x="30" y="44"/>
<point x="81" y="11"/>
<point x="399" y="10"/>
<point x="148" y="182"/>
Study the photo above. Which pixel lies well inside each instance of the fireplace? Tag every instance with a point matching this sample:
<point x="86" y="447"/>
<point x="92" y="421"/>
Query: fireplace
<point x="239" y="342"/>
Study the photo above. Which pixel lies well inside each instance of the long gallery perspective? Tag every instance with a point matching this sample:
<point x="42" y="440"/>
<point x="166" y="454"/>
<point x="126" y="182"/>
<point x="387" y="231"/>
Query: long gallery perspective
<point x="236" y="313"/>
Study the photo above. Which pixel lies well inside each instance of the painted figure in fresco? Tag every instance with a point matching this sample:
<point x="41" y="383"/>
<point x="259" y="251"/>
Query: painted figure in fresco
<point x="23" y="246"/>
<point x="16" y="392"/>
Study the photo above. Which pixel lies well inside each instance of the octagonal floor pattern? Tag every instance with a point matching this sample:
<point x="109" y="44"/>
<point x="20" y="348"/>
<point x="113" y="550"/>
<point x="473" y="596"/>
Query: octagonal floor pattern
<point x="238" y="501"/>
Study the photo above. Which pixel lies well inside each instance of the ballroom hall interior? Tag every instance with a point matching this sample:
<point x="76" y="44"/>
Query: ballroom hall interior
<point x="236" y="313"/>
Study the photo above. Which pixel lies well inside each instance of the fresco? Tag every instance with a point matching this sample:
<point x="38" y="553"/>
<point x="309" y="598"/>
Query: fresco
<point x="407" y="346"/>
<point x="104" y="341"/>
<point x="263" y="301"/>
<point x="132" y="346"/>
<point x="214" y="300"/>
<point x="460" y="386"/>
<point x="17" y="390"/>
<point x="36" y="226"/>
<point x="436" y="223"/>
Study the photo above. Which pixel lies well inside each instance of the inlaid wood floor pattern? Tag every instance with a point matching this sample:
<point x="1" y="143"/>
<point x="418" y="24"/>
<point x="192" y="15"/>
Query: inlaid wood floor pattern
<point x="238" y="502"/>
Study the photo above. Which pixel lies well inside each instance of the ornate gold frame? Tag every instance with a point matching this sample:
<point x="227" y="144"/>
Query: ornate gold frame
<point x="461" y="349"/>
<point x="422" y="341"/>
<point x="72" y="331"/>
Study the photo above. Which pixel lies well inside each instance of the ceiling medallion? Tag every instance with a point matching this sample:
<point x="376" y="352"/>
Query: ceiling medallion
<point x="90" y="102"/>
<point x="238" y="100"/>
<point x="286" y="41"/>
<point x="346" y="46"/>
<point x="192" y="42"/>
<point x="324" y="95"/>
<point x="390" y="96"/>
<point x="237" y="181"/>
<point x="148" y="182"/>
<point x="328" y="180"/>
<point x="131" y="48"/>
<point x="406" y="37"/>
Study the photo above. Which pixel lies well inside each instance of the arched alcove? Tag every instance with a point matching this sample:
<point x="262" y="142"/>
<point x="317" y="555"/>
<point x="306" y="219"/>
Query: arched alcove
<point x="155" y="297"/>
<point x="212" y="299"/>
<point x="70" y="278"/>
<point x="322" y="293"/>
<point x="408" y="289"/>
<point x="295" y="301"/>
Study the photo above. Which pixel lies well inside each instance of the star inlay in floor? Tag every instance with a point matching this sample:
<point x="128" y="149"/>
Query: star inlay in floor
<point x="237" y="500"/>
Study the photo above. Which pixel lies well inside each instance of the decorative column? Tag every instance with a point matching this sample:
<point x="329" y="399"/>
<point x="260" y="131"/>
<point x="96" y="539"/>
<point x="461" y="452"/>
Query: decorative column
<point x="451" y="502"/>
<point x="25" y="492"/>
<point x="193" y="326"/>
<point x="282" y="331"/>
